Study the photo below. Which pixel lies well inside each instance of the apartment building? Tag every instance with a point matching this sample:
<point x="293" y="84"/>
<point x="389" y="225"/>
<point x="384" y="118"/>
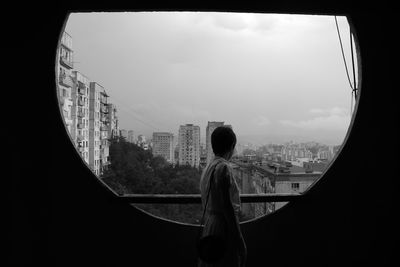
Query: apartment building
<point x="113" y="129"/>
<point x="65" y="83"/>
<point x="94" y="126"/>
<point x="104" y="131"/>
<point x="163" y="145"/>
<point x="294" y="151"/>
<point x="189" y="145"/>
<point x="80" y="113"/>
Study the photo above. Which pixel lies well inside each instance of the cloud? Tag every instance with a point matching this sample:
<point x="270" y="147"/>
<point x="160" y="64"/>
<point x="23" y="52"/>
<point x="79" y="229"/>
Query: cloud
<point x="261" y="121"/>
<point x="327" y="119"/>
<point x="230" y="21"/>
<point x="330" y="111"/>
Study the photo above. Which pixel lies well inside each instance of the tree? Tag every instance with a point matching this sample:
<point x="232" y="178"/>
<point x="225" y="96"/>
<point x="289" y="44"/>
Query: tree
<point x="135" y="170"/>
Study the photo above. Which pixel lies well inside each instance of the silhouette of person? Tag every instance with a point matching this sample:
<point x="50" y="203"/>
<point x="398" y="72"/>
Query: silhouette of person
<point x="223" y="206"/>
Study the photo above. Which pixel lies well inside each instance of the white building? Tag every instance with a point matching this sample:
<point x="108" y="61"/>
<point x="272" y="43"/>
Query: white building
<point x="65" y="83"/>
<point x="113" y="130"/>
<point x="189" y="145"/>
<point x="94" y="126"/>
<point x="104" y="131"/>
<point x="80" y="113"/>
<point x="163" y="145"/>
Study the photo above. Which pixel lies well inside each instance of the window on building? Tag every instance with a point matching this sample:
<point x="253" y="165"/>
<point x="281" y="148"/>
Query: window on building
<point x="295" y="186"/>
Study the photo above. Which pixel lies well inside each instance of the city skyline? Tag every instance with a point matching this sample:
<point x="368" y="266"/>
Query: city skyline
<point x="125" y="57"/>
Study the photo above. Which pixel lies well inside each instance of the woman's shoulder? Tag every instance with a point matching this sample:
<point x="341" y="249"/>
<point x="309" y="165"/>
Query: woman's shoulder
<point x="222" y="165"/>
<point x="223" y="169"/>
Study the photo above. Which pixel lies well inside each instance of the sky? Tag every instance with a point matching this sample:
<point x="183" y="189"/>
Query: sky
<point x="273" y="77"/>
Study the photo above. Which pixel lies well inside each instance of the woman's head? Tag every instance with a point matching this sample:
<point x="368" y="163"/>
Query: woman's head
<point x="223" y="141"/>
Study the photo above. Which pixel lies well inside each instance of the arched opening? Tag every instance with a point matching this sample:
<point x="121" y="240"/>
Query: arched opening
<point x="282" y="79"/>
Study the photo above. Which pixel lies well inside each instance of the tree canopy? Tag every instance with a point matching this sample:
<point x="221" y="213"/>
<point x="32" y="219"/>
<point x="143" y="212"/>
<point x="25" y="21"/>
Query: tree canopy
<point x="134" y="170"/>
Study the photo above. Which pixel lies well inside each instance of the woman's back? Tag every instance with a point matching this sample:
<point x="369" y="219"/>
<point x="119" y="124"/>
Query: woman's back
<point x="218" y="174"/>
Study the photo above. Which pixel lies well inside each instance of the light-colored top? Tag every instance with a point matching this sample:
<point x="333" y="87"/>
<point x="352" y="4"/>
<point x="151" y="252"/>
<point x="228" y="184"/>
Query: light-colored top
<point x="223" y="172"/>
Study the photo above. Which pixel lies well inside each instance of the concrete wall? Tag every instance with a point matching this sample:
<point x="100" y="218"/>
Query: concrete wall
<point x="65" y="216"/>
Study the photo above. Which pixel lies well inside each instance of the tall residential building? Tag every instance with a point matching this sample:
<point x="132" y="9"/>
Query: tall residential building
<point x="131" y="136"/>
<point x="65" y="83"/>
<point x="163" y="145"/>
<point x="80" y="113"/>
<point x="104" y="131"/>
<point x="189" y="145"/>
<point x="113" y="129"/>
<point x="94" y="126"/>
<point x="211" y="126"/>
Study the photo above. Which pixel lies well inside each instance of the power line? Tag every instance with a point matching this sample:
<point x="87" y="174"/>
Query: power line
<point x="344" y="58"/>
<point x="354" y="86"/>
<point x="134" y="116"/>
<point x="352" y="61"/>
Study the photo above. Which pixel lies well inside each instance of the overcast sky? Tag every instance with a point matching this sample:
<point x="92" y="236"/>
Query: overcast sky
<point x="273" y="77"/>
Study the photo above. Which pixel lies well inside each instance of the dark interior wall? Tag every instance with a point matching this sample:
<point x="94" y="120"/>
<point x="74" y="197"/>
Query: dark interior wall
<point x="61" y="215"/>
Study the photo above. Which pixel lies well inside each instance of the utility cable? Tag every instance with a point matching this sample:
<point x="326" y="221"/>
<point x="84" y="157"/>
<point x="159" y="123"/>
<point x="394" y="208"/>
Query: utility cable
<point x="134" y="116"/>
<point x="353" y="65"/>
<point x="344" y="58"/>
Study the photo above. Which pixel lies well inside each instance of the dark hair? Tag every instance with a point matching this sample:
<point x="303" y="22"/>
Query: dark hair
<point x="223" y="139"/>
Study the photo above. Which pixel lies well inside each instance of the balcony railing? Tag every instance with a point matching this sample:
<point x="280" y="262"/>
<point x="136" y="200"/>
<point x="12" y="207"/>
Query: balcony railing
<point x="64" y="80"/>
<point x="196" y="198"/>
<point x="66" y="63"/>
<point x="81" y="114"/>
<point x="79" y="138"/>
<point x="81" y="91"/>
<point x="104" y="110"/>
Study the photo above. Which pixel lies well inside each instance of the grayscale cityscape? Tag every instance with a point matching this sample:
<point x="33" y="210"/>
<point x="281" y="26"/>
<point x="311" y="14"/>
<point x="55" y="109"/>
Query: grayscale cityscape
<point x="169" y="160"/>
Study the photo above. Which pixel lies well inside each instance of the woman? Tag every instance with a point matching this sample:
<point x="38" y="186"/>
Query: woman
<point x="223" y="206"/>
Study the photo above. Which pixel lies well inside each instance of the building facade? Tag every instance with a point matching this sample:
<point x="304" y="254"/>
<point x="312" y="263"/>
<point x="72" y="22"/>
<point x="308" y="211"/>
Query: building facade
<point x="80" y="113"/>
<point x="113" y="129"/>
<point x="189" y="145"/>
<point x="163" y="145"/>
<point x="94" y="126"/>
<point x="104" y="131"/>
<point x="65" y="83"/>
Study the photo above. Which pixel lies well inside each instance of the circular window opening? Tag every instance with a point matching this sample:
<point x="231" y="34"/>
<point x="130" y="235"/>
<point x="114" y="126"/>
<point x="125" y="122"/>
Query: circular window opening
<point x="141" y="92"/>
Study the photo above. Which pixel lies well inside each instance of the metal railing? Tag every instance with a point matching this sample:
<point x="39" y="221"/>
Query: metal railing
<point x="67" y="63"/>
<point x="196" y="198"/>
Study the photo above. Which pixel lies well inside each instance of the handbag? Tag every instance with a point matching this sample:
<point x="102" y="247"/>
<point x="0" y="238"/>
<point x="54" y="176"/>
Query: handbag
<point x="210" y="248"/>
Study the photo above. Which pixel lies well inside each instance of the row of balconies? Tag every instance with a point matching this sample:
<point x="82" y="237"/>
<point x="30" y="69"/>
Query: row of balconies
<point x="81" y="113"/>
